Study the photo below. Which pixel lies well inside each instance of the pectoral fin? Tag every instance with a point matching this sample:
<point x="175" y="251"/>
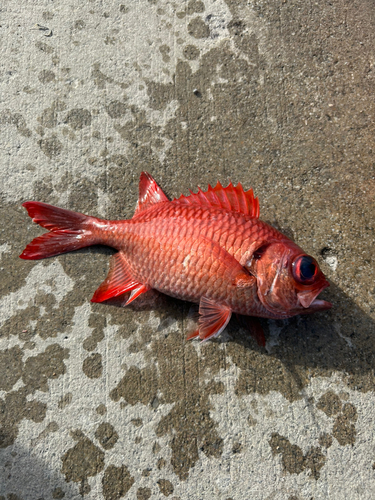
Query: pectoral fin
<point x="213" y="318"/>
<point x="136" y="293"/>
<point x="193" y="335"/>
<point x="119" y="281"/>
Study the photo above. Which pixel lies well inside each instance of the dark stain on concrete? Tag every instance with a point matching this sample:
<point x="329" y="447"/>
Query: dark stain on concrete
<point x="116" y="109"/>
<point x="117" y="481"/>
<point x="143" y="493"/>
<point x="92" y="366"/>
<point x="315" y="460"/>
<point x="17" y="120"/>
<point x="14" y="408"/>
<point x="10" y="367"/>
<point x="51" y="146"/>
<point x="83" y="460"/>
<point x="79" y="24"/>
<point x="346" y="415"/>
<point x="106" y="435"/>
<point x="325" y="440"/>
<point x="13" y="273"/>
<point x="47" y="365"/>
<point x="165" y="487"/>
<point x="330" y="403"/>
<point x="195" y="7"/>
<point x="51" y="427"/>
<point x="246" y="41"/>
<point x="165" y="50"/>
<point x="16" y="405"/>
<point x="293" y="459"/>
<point x="191" y="52"/>
<point x="44" y="47"/>
<point x="138" y="131"/>
<point x="18" y="324"/>
<point x="198" y="28"/>
<point x="259" y="373"/>
<point x="78" y="118"/>
<point x="49" y="117"/>
<point x="160" y="94"/>
<point x="76" y="434"/>
<point x="343" y="428"/>
<point x="251" y="421"/>
<point x="46" y="76"/>
<point x="291" y="455"/>
<point x="124" y="9"/>
<point x="58" y="493"/>
<point x="137" y="386"/>
<point x="156" y="448"/>
<point x="100" y="79"/>
<point x="101" y="409"/>
<point x="189" y="423"/>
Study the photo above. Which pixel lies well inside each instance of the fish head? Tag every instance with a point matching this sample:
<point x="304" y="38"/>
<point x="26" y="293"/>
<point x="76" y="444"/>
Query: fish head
<point x="288" y="280"/>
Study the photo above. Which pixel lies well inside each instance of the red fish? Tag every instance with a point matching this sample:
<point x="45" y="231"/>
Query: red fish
<point x="209" y="248"/>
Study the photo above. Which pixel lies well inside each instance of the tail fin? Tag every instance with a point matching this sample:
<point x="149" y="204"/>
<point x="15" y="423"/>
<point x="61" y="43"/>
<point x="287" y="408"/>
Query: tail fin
<point x="68" y="231"/>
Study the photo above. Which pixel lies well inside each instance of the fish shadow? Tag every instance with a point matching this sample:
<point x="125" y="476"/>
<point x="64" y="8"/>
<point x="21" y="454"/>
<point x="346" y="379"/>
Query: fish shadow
<point x="341" y="339"/>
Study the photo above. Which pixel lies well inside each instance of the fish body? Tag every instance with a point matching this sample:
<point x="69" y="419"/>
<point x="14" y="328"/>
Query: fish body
<point x="210" y="248"/>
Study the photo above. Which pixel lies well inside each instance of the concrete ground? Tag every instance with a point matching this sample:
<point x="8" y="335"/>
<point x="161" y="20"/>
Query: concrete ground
<point x="108" y="403"/>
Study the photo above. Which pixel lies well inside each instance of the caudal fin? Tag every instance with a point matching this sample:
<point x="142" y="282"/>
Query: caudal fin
<point x="68" y="231"/>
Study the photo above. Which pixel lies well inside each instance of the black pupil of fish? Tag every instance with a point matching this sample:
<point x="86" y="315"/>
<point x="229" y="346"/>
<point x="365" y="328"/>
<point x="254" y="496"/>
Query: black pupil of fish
<point x="307" y="268"/>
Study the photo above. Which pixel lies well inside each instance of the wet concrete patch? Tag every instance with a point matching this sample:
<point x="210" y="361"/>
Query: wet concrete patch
<point x="117" y="481"/>
<point x="83" y="460"/>
<point x="293" y="459"/>
<point x="36" y="373"/>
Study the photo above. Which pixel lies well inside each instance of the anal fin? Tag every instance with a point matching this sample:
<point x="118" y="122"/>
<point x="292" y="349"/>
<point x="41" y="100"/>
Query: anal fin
<point x="213" y="318"/>
<point x="119" y="281"/>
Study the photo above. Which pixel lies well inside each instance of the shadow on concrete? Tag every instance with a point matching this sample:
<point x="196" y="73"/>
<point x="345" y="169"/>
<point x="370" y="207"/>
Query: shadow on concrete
<point x="341" y="339"/>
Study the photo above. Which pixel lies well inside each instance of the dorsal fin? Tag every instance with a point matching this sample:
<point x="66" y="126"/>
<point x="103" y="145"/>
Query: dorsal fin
<point x="149" y="193"/>
<point x="231" y="198"/>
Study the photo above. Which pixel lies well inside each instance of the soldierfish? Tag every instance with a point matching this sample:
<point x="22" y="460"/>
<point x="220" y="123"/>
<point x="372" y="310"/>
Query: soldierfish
<point x="210" y="248"/>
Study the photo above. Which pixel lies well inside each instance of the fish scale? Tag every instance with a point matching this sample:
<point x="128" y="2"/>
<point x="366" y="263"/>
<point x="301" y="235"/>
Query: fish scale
<point x="151" y="259"/>
<point x="232" y="231"/>
<point x="209" y="248"/>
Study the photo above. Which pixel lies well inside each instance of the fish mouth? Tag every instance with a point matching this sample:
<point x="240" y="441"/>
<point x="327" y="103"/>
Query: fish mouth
<point x="317" y="305"/>
<point x="309" y="299"/>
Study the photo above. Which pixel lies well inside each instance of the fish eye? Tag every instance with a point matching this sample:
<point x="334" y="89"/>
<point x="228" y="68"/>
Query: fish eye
<point x="305" y="269"/>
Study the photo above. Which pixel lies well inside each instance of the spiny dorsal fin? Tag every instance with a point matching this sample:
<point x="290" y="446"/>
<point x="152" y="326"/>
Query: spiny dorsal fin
<point x="149" y="193"/>
<point x="231" y="198"/>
